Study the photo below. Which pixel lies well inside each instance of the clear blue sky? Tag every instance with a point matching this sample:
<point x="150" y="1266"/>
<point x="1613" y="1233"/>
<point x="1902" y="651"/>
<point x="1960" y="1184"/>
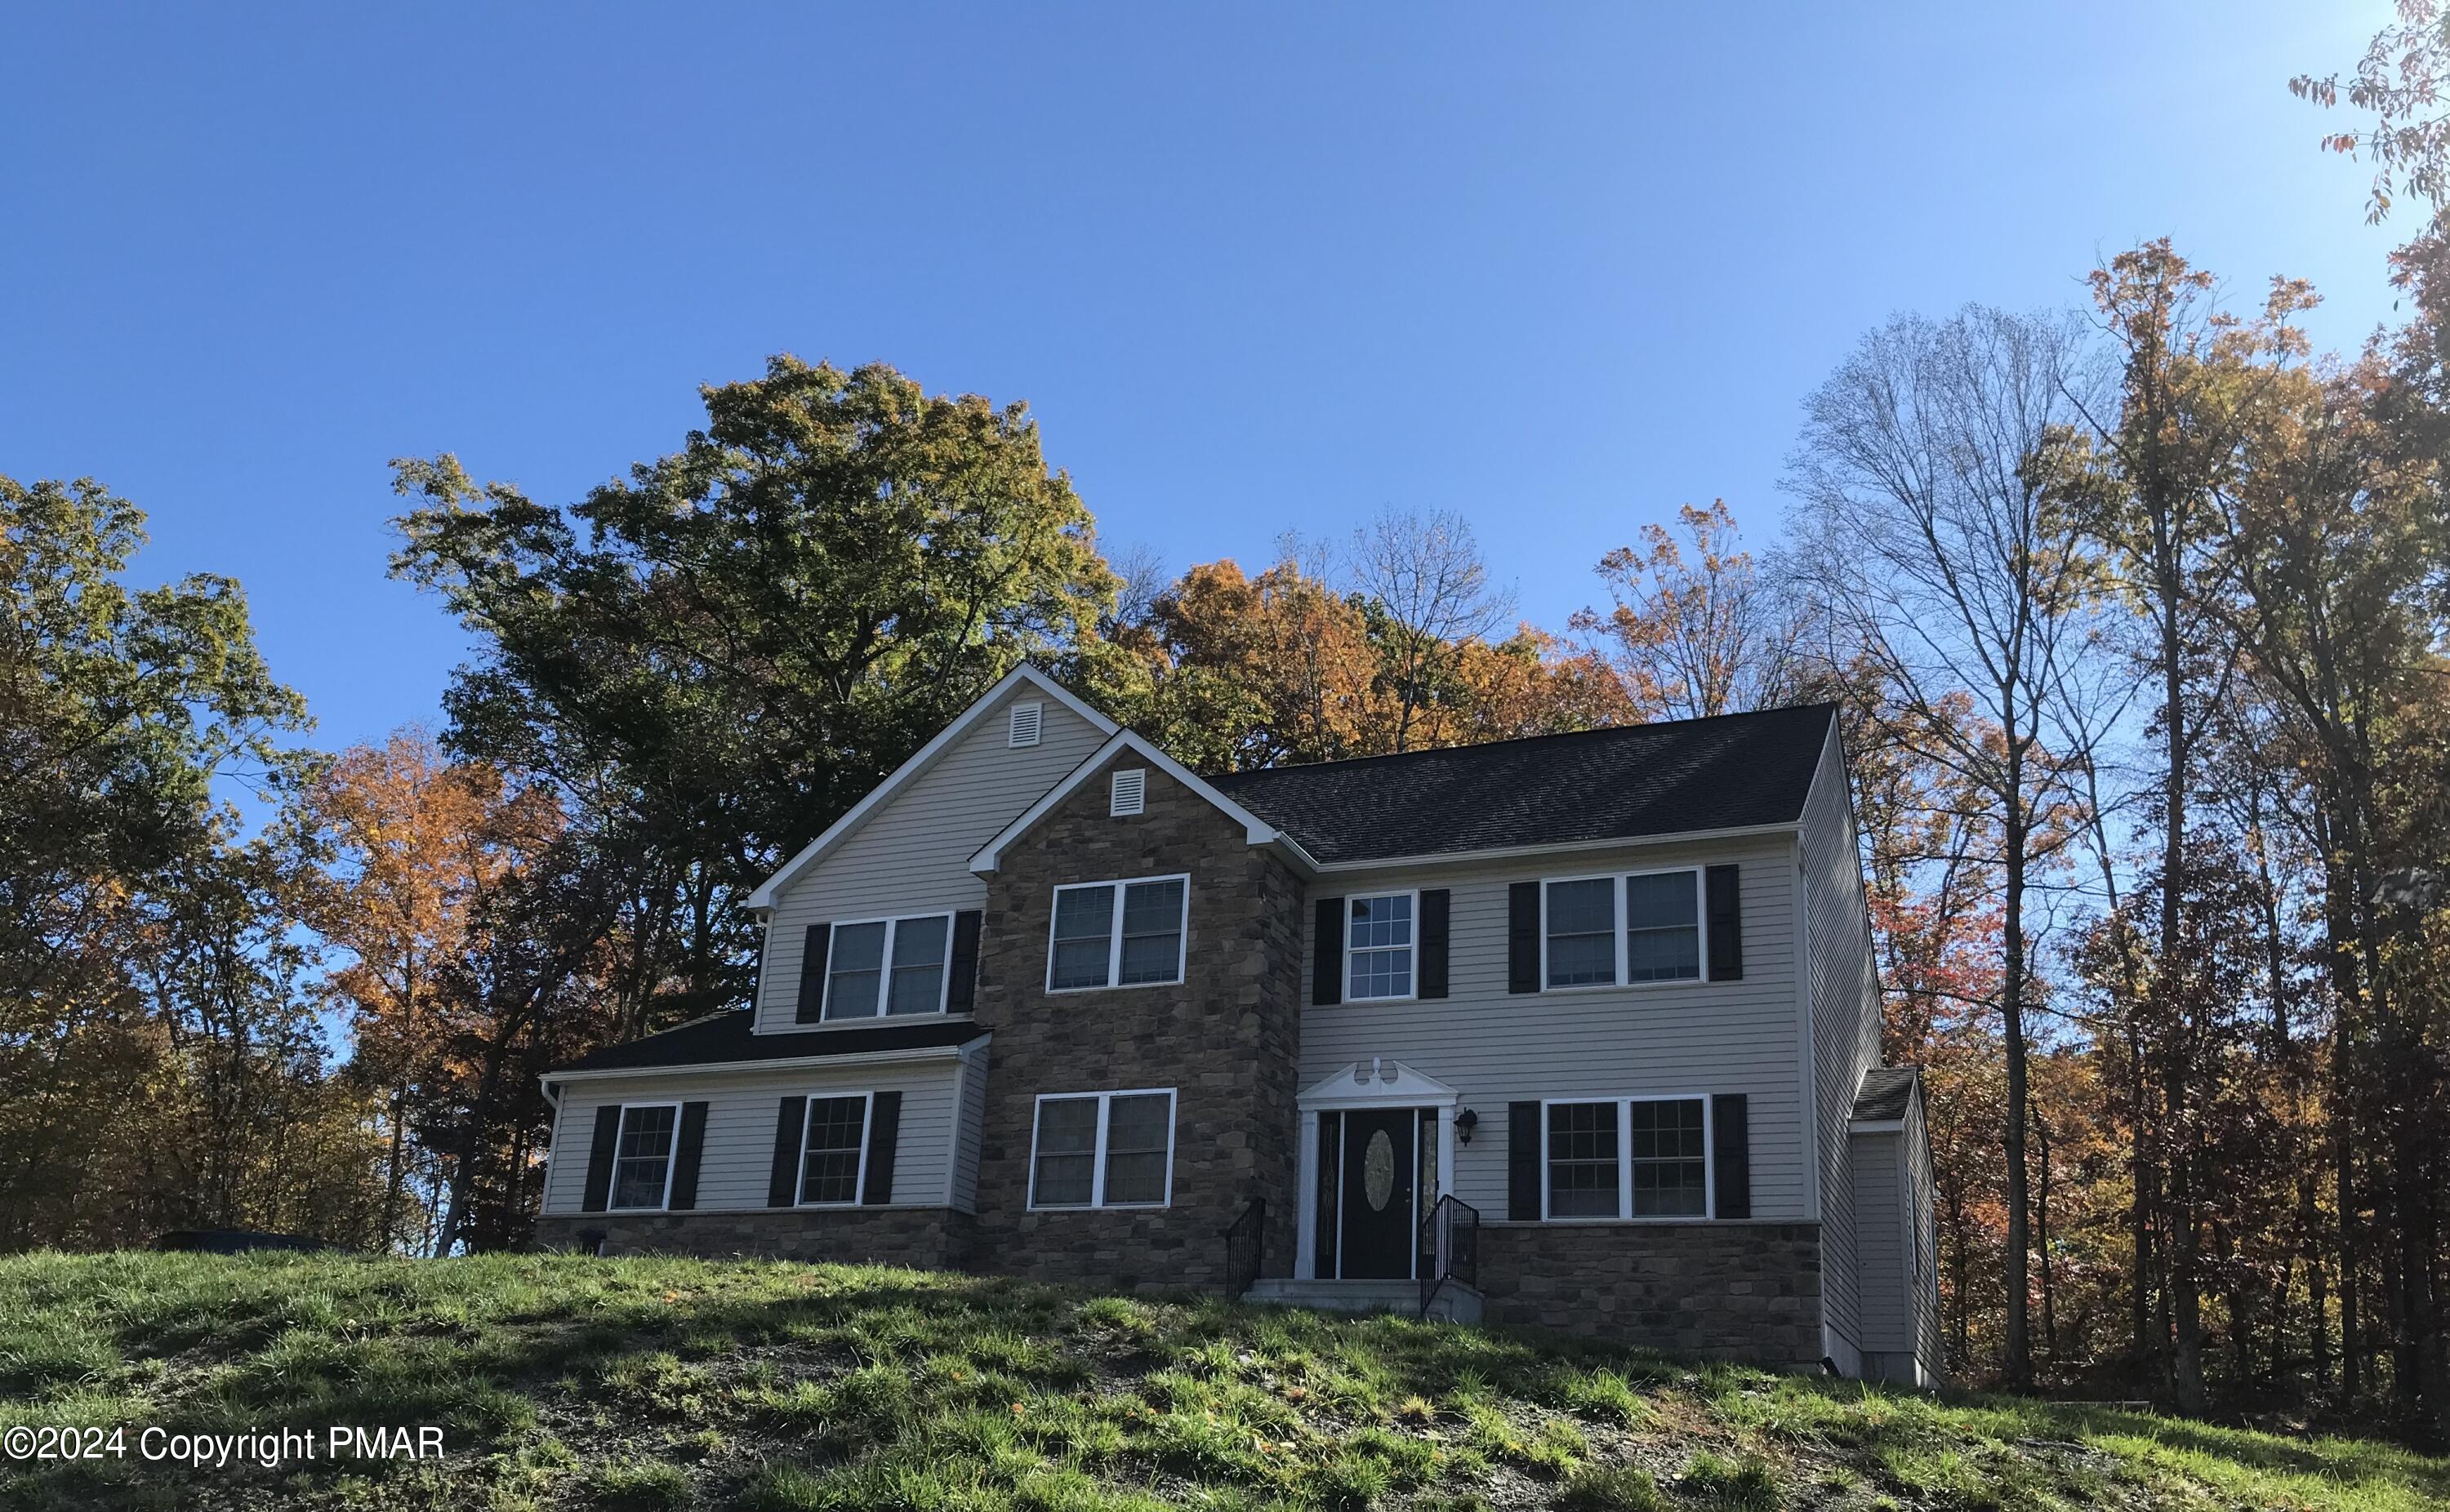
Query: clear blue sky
<point x="1559" y="268"/>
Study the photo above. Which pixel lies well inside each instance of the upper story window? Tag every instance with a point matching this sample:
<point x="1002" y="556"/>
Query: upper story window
<point x="1640" y="927"/>
<point x="1642" y="1158"/>
<point x="1118" y="934"/>
<point x="642" y="1159"/>
<point x="1378" y="947"/>
<point x="888" y="966"/>
<point x="1102" y="1150"/>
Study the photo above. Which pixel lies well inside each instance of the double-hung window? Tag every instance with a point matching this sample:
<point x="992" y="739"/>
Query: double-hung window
<point x="642" y="1157"/>
<point x="1118" y="934"/>
<point x="888" y="966"/>
<point x="1640" y="1158"/>
<point x="833" y="1154"/>
<point x="1378" y="947"/>
<point x="1102" y="1150"/>
<point x="1605" y="931"/>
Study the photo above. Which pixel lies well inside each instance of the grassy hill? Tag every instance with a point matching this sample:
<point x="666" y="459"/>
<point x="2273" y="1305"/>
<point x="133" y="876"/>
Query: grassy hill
<point x="650" y="1383"/>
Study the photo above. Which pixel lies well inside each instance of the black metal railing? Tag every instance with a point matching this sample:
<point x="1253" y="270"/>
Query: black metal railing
<point x="1449" y="1248"/>
<point x="1244" y="1238"/>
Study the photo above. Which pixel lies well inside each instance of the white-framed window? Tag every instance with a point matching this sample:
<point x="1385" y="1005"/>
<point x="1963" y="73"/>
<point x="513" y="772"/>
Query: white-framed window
<point x="1379" y="945"/>
<point x="833" y="1150"/>
<point x="1118" y="934"/>
<point x="888" y="966"/>
<point x="1627" y="928"/>
<point x="1102" y="1150"/>
<point x="642" y="1156"/>
<point x="1626" y="1157"/>
<point x="1028" y="721"/>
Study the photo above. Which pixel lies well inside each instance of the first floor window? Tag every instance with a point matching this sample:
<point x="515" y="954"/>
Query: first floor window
<point x="1643" y="1157"/>
<point x="1102" y="1150"/>
<point x="888" y="966"/>
<point x="1378" y="944"/>
<point x="642" y="1165"/>
<point x="835" y="1151"/>
<point x="1118" y="934"/>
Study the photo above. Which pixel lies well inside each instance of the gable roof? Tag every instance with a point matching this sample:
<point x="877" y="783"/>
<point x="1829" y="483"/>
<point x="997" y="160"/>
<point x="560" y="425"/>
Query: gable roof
<point x="1735" y="771"/>
<point x="909" y="771"/>
<point x="1256" y="830"/>
<point x="730" y="1039"/>
<point x="1886" y="1092"/>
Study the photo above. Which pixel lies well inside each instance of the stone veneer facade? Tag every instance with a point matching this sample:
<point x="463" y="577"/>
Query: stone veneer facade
<point x="1227" y="1038"/>
<point x="929" y="1238"/>
<point x="1730" y="1290"/>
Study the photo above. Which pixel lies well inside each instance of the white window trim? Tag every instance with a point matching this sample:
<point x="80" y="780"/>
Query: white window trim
<point x="1414" y="948"/>
<point x="1115" y="936"/>
<point x="867" y="1128"/>
<point x="1625" y="1213"/>
<point x="671" y="1158"/>
<point x="885" y="976"/>
<point x="1617" y="928"/>
<point x="1097" y="1154"/>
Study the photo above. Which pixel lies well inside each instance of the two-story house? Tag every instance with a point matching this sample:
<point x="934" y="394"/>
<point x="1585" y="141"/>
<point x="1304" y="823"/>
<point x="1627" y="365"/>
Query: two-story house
<point x="1579" y="1031"/>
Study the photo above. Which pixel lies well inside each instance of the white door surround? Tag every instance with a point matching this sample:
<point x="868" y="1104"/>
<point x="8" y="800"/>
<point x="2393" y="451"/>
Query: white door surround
<point x="1380" y="1082"/>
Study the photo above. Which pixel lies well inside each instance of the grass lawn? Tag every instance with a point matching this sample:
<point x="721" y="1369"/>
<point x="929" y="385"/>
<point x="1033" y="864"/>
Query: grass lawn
<point x="649" y="1383"/>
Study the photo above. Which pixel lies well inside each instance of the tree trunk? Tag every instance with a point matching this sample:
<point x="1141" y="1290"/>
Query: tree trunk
<point x="2019" y="1365"/>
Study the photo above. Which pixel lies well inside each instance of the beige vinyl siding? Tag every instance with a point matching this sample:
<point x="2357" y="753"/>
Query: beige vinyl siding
<point x="913" y="854"/>
<point x="1880" y="1251"/>
<point x="970" y="1128"/>
<point x="738" y="1157"/>
<point x="1495" y="1047"/>
<point x="1845" y="1022"/>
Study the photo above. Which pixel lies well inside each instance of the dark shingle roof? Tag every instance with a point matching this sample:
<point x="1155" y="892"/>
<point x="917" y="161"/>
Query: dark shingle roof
<point x="722" y="1037"/>
<point x="1886" y="1092"/>
<point x="1620" y="784"/>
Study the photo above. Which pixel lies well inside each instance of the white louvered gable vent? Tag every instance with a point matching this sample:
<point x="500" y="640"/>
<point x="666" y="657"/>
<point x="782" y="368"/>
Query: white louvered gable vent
<point x="1131" y="793"/>
<point x="1027" y="721"/>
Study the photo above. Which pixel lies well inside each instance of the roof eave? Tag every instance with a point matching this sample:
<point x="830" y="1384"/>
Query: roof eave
<point x="1676" y="837"/>
<point x="863" y="1057"/>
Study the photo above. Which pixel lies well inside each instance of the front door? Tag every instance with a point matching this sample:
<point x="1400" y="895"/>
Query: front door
<point x="1379" y="1167"/>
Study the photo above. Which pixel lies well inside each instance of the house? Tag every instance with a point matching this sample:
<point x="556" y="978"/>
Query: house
<point x="1579" y="1031"/>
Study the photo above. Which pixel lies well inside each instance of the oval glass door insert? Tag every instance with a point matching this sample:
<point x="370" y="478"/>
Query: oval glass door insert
<point x="1378" y="1170"/>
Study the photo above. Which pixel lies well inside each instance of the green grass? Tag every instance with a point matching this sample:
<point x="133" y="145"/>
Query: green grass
<point x="564" y="1383"/>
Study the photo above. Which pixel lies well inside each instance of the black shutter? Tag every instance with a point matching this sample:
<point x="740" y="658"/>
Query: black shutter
<point x="1523" y="1162"/>
<point x="1731" y="1153"/>
<point x="1326" y="953"/>
<point x="1726" y="898"/>
<point x="685" y="1153"/>
<point x="1523" y="937"/>
<point x="790" y="1132"/>
<point x="1432" y="976"/>
<point x="599" y="1160"/>
<point x="962" y="994"/>
<point x="884" y="1131"/>
<point x="813" y="973"/>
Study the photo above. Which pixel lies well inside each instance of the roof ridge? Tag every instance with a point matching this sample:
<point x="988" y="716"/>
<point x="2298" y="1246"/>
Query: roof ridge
<point x="1525" y="739"/>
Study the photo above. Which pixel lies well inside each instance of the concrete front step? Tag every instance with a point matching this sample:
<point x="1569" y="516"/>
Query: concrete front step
<point x="1455" y="1302"/>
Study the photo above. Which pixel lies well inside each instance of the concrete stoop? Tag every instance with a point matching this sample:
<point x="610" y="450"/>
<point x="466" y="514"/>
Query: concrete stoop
<point x="1455" y="1302"/>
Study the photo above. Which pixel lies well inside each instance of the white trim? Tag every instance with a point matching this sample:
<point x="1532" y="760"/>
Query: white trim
<point x="1807" y="1039"/>
<point x="1412" y="948"/>
<point x="1098" y="1202"/>
<point x="883" y="971"/>
<point x="1625" y="1213"/>
<point x="927" y="756"/>
<point x="671" y="1158"/>
<point x="868" y="1057"/>
<point x="1876" y="1126"/>
<point x="1036" y="710"/>
<point x="867" y="1126"/>
<point x="1127" y="792"/>
<point x="1114" y="981"/>
<point x="1442" y="858"/>
<point x="1618" y="927"/>
<point x="1351" y="1088"/>
<point x="1256" y="830"/>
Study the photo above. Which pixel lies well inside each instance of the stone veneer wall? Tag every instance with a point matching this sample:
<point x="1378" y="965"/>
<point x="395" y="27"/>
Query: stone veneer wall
<point x="931" y="1238"/>
<point x="1730" y="1290"/>
<point x="1228" y="1039"/>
